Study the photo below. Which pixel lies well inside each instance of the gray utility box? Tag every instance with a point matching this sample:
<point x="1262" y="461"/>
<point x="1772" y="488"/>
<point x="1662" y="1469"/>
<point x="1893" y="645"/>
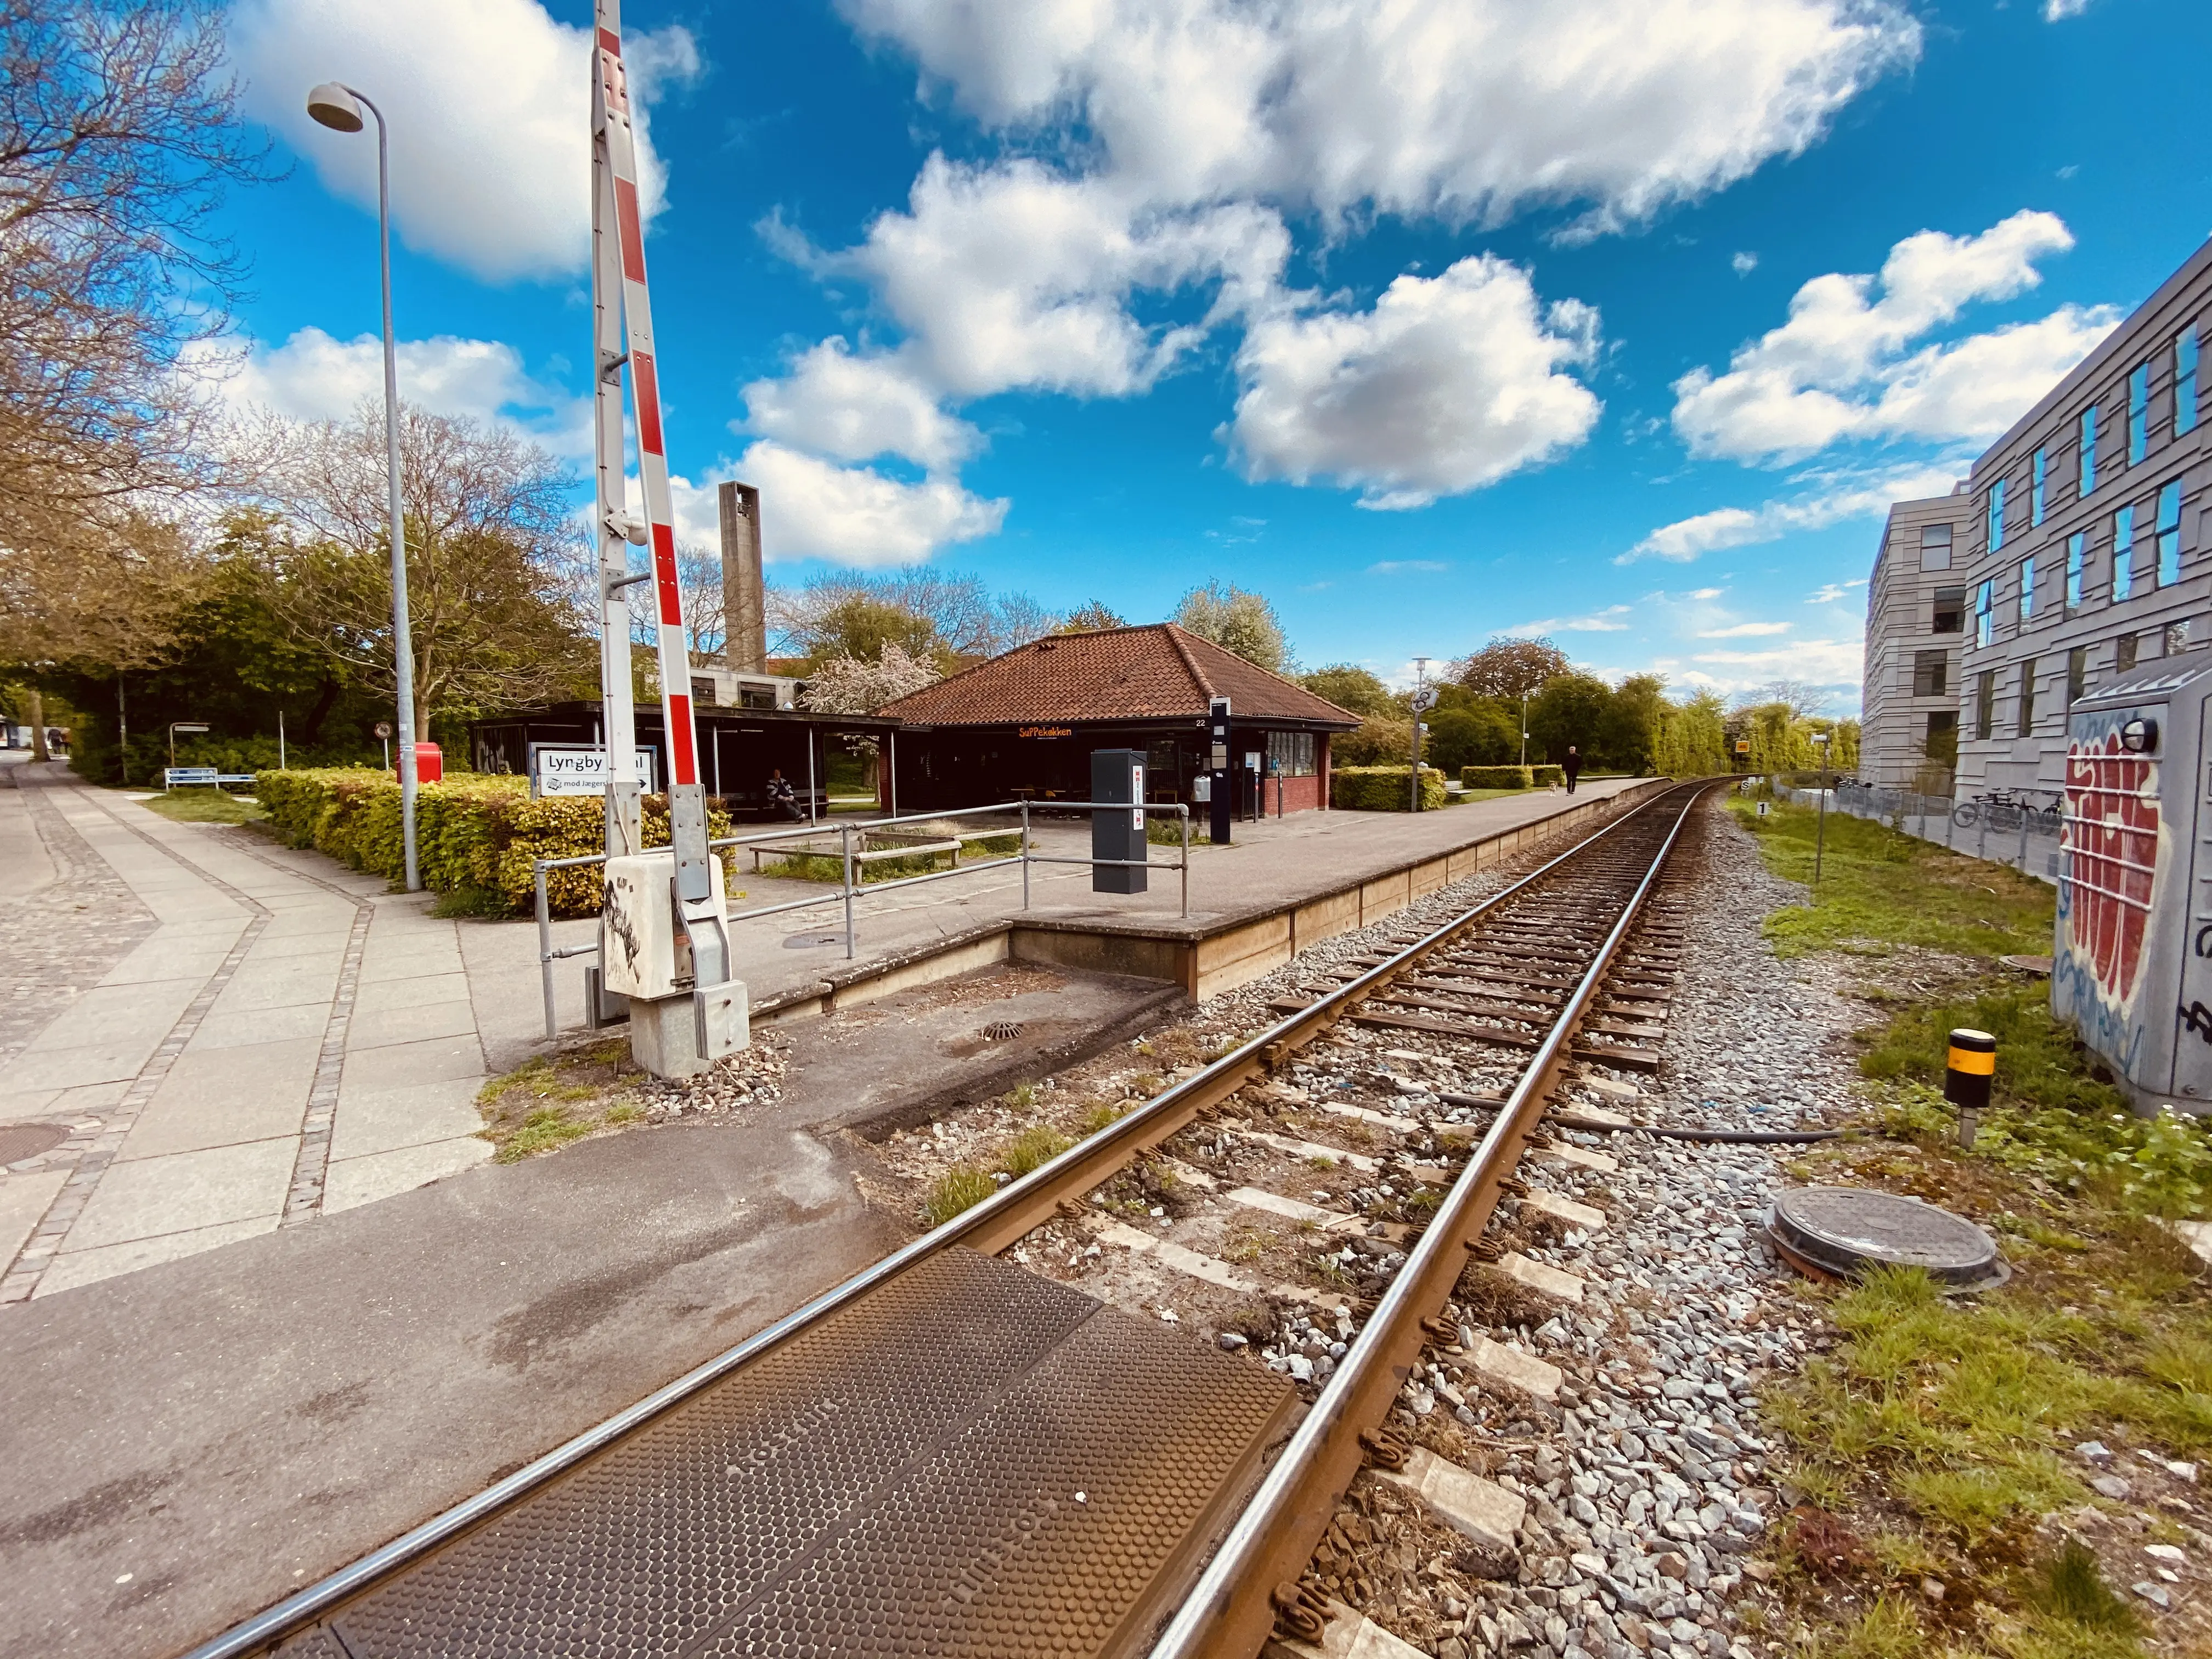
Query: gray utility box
<point x="1117" y="775"/>
<point x="2131" y="960"/>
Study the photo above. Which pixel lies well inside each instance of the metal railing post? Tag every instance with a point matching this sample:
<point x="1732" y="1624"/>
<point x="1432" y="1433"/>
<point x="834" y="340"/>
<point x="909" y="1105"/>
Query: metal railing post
<point x="2023" y="841"/>
<point x="545" y="947"/>
<point x="845" y="835"/>
<point x="1025" y="856"/>
<point x="1183" y="817"/>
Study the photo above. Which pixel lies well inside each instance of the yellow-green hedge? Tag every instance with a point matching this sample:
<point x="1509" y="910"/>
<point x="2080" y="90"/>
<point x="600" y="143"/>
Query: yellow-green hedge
<point x="1543" y="777"/>
<point x="1495" y="777"/>
<point x="1383" y="788"/>
<point x="478" y="832"/>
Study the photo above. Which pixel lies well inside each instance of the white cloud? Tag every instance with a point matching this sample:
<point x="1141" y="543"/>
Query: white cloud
<point x="1463" y="109"/>
<point x="857" y="408"/>
<point x="1607" y="621"/>
<point x="489" y="107"/>
<point x="1829" y="592"/>
<point x="1833" y="498"/>
<point x="1392" y="566"/>
<point x="1744" y="264"/>
<point x="1015" y="276"/>
<point x="2057" y="11"/>
<point x="812" y="508"/>
<point x="315" y="377"/>
<point x="1447" y="384"/>
<point x="1743" y="631"/>
<point x="1823" y="662"/>
<point x="1842" y="366"/>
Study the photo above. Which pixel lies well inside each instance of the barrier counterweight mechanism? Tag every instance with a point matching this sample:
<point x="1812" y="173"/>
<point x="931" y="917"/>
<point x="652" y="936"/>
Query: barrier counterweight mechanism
<point x="665" y="945"/>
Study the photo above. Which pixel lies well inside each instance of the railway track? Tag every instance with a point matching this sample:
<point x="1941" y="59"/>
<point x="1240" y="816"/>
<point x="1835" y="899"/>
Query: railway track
<point x="949" y="1455"/>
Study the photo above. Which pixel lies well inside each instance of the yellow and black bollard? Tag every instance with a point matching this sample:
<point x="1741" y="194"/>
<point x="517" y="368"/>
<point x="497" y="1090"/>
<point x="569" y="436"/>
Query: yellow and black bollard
<point x="1972" y="1062"/>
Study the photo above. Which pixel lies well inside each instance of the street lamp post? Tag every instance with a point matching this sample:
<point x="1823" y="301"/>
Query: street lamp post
<point x="338" y="106"/>
<point x="1423" y="698"/>
<point x="1820" y="832"/>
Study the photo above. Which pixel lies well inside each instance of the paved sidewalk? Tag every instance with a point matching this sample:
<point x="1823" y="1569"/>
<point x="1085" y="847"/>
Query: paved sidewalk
<point x="277" y="1038"/>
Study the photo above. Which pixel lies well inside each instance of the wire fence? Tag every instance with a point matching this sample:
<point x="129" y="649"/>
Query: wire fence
<point x="1999" y="827"/>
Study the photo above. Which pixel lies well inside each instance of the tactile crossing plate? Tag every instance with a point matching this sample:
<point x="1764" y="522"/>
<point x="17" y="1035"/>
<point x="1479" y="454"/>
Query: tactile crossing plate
<point x="901" y="1477"/>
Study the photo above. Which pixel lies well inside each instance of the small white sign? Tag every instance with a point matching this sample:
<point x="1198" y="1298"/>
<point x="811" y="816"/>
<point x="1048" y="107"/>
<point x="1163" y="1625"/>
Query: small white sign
<point x="580" y="769"/>
<point x="1136" y="794"/>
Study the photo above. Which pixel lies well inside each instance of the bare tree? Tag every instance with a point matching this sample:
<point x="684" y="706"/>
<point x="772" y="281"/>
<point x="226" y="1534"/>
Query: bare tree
<point x="1800" y="697"/>
<point x="699" y="578"/>
<point x="491" y="553"/>
<point x="960" y="612"/>
<point x="119" y="132"/>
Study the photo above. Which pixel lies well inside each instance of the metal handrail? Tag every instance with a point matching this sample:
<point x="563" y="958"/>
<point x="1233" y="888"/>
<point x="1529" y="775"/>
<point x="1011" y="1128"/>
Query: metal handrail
<point x="847" y="890"/>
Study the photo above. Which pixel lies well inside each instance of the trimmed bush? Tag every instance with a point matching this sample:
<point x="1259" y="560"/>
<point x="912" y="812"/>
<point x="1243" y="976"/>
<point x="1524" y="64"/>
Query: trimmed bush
<point x="1543" y="777"/>
<point x="471" y="832"/>
<point x="1383" y="788"/>
<point x="1495" y="777"/>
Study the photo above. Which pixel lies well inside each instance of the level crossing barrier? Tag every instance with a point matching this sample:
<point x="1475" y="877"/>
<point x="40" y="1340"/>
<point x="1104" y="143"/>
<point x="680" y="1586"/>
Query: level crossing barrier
<point x="851" y="860"/>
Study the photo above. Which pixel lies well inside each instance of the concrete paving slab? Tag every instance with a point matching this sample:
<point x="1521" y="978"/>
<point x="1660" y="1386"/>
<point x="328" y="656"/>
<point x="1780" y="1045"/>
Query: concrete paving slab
<point x="23" y="1200"/>
<point x="118" y="1013"/>
<point x="66" y="1068"/>
<point x="357" y="1181"/>
<point x="240" y="1028"/>
<point x="386" y="1026"/>
<point x="74" y="1268"/>
<point x="226" y="1097"/>
<point x="276" y="946"/>
<point x="172" y="955"/>
<point x="24" y="864"/>
<point x="183" y="1191"/>
<point x="410" y="992"/>
<point x="379" y="968"/>
<point x="279" y="984"/>
<point x="386" y="1118"/>
<point x="91" y="1097"/>
<point x="402" y="1065"/>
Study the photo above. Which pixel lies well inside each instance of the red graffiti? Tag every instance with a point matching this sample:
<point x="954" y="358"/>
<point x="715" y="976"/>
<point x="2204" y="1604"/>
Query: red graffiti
<point x="2112" y="840"/>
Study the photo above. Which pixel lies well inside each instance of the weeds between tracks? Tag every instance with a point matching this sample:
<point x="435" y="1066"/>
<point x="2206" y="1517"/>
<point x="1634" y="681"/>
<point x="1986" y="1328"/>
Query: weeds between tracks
<point x="2015" y="1473"/>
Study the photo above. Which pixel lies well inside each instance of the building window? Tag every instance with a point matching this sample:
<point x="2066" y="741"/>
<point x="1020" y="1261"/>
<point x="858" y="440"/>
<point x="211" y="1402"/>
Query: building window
<point x="2077" y="673"/>
<point x="2088" y="474"/>
<point x="2077" y="548"/>
<point x="2177" y="638"/>
<point x="1928" y="670"/>
<point x="2035" y="493"/>
<point x="1985" y="701"/>
<point x="2123" y="654"/>
<point x="1996" y="516"/>
<point x="2185" y="381"/>
<point x="1985" y="622"/>
<point x="1290" y="754"/>
<point x="2123" y="553"/>
<point x="1941" y="743"/>
<point x="2138" y="413"/>
<point x="2026" y="698"/>
<point x="1935" y="547"/>
<point x="2027" y="590"/>
<point x="2169" y="534"/>
<point x="1949" y="616"/>
<point x="703" y="693"/>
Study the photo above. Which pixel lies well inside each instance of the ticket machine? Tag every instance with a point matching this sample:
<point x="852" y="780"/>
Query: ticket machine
<point x="2131" y="960"/>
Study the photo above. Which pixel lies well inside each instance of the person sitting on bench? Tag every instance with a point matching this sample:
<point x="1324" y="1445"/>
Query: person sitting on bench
<point x="782" y="799"/>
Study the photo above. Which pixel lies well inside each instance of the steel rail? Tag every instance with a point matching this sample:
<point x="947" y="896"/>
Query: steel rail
<point x="987" y="1227"/>
<point x="1231" y="1608"/>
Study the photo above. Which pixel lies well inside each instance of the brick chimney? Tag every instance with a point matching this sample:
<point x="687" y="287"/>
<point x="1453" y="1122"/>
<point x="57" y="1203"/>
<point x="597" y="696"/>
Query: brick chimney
<point x="745" y="602"/>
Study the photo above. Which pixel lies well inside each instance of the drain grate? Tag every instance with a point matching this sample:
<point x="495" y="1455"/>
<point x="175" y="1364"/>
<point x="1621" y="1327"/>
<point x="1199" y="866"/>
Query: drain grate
<point x="20" y="1140"/>
<point x="1002" y="1030"/>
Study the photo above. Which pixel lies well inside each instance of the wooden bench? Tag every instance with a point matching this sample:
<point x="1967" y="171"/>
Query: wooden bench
<point x="173" y="775"/>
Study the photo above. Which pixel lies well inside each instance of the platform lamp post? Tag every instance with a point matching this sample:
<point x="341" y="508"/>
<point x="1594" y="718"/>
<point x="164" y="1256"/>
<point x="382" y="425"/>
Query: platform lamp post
<point x="338" y="106"/>
<point x="1423" y="699"/>
<point x="1820" y="833"/>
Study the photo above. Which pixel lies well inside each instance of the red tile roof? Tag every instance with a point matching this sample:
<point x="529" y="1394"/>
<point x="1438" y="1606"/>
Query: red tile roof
<point x="1156" y="671"/>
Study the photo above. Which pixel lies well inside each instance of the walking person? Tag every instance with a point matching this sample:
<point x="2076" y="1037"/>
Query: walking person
<point x="1571" y="767"/>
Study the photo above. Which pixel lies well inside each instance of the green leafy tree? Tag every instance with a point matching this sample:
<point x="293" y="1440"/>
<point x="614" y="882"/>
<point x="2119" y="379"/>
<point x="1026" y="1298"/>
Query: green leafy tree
<point x="1476" y="733"/>
<point x="1692" y="740"/>
<point x="1510" y="668"/>
<point x="1239" y="620"/>
<point x="1092" y="617"/>
<point x="1356" y="691"/>
<point x="1571" y="708"/>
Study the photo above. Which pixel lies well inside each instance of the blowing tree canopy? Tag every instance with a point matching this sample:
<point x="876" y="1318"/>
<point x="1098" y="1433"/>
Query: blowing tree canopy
<point x="119" y="132"/>
<point x="492" y="546"/>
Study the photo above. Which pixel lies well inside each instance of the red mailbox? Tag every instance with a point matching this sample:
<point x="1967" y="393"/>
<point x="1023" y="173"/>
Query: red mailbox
<point x="429" y="763"/>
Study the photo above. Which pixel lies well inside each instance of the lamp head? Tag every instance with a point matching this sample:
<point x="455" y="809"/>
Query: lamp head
<point x="335" y="108"/>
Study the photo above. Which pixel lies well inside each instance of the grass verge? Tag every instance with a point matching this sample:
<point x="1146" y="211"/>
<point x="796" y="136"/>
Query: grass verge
<point x="548" y="1101"/>
<point x="203" y="805"/>
<point x="1942" y="1504"/>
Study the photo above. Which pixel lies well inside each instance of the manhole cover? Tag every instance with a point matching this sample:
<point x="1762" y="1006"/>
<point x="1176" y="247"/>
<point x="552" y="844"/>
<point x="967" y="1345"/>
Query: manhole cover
<point x="20" y="1140"/>
<point x="813" y="941"/>
<point x="1843" y="1229"/>
<point x="1002" y="1030"/>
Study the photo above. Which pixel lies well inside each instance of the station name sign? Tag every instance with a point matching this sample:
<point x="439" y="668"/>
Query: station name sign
<point x="1047" y="730"/>
<point x="560" y="769"/>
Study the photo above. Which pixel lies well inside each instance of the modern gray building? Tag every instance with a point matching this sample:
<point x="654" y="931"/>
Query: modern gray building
<point x="2081" y="547"/>
<point x="1916" y="619"/>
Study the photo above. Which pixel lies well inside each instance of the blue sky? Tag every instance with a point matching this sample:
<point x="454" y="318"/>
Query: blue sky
<point x="1430" y="319"/>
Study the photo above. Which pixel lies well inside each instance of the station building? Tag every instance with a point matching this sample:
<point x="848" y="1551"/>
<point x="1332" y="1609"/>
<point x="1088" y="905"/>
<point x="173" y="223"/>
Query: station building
<point x="1021" y="726"/>
<point x="2079" y="543"/>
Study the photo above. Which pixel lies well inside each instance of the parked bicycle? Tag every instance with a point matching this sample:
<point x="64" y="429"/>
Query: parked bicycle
<point x="2005" y="810"/>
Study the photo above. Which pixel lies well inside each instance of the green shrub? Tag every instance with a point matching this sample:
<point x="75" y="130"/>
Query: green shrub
<point x="1032" y="1149"/>
<point x="471" y="832"/>
<point x="1383" y="788"/>
<point x="1495" y="777"/>
<point x="960" y="1187"/>
<point x="1543" y="777"/>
